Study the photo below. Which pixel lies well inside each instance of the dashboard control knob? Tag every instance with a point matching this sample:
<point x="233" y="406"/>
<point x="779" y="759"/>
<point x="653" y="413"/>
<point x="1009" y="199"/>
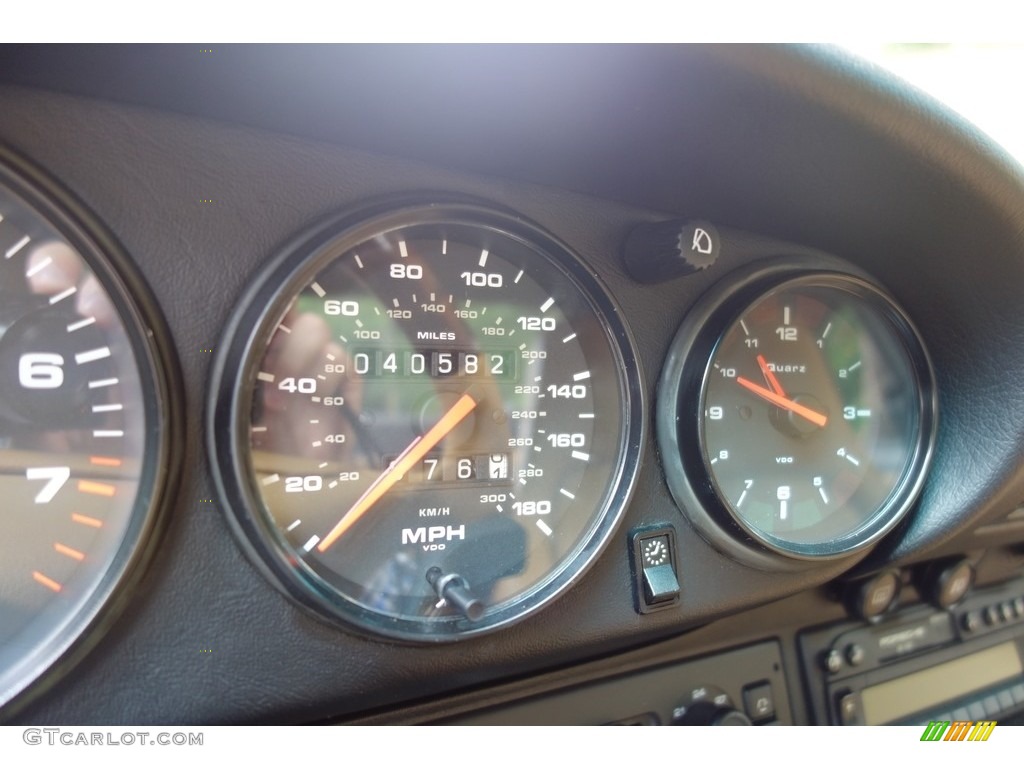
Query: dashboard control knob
<point x="708" y="713"/>
<point x="832" y="661"/>
<point x="872" y="598"/>
<point x="664" y="250"/>
<point x="855" y="654"/>
<point x="946" y="583"/>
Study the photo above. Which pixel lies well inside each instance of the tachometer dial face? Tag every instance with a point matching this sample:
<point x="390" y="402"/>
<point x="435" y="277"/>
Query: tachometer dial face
<point x="83" y="425"/>
<point x="814" y="417"/>
<point x="436" y="421"/>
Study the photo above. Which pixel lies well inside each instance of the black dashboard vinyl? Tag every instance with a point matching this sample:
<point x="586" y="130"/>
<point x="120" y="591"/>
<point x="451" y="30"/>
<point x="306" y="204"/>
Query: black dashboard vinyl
<point x="205" y="165"/>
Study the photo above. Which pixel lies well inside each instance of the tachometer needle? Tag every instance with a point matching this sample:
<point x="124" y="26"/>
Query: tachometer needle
<point x="784" y="402"/>
<point x="769" y="376"/>
<point x="416" y="450"/>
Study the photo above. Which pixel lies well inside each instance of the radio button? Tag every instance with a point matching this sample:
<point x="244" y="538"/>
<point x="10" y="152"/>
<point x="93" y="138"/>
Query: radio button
<point x="849" y="709"/>
<point x="832" y="661"/>
<point x="1018" y="693"/>
<point x="992" y="615"/>
<point x="1006" y="611"/>
<point x="971" y="621"/>
<point x="1018" y="606"/>
<point x="991" y="705"/>
<point x="855" y="655"/>
<point x="1005" y="700"/>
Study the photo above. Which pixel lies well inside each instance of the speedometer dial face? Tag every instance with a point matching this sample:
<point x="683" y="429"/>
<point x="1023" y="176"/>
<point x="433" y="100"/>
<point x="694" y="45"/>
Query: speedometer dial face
<point x="84" y="431"/>
<point x="435" y="421"/>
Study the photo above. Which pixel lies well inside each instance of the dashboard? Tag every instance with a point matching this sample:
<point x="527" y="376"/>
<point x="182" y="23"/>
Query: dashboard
<point x="554" y="385"/>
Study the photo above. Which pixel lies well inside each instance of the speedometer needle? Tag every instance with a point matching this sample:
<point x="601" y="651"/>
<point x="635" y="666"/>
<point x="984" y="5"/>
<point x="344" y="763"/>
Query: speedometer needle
<point x="784" y="402"/>
<point x="416" y="450"/>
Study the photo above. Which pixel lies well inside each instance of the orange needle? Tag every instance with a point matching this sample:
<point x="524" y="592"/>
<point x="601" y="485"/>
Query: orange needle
<point x="416" y="450"/>
<point x="769" y="376"/>
<point x="784" y="402"/>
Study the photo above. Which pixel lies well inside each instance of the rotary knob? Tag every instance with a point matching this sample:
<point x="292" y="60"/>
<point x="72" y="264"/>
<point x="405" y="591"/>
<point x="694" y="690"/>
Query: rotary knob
<point x="709" y="713"/>
<point x="708" y="705"/>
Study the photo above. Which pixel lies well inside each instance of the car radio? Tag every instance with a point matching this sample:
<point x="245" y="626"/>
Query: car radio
<point x="922" y="664"/>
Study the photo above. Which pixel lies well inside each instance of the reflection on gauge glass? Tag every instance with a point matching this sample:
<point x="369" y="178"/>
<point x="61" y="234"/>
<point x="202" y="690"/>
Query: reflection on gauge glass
<point x="815" y="414"/>
<point x="83" y="444"/>
<point x="436" y="421"/>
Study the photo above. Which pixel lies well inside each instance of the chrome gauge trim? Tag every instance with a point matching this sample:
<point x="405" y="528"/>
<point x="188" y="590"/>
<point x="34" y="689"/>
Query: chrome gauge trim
<point x="231" y="403"/>
<point x="681" y="438"/>
<point x="162" y="389"/>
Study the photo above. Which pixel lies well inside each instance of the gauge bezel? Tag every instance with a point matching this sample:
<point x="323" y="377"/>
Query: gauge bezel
<point x="161" y="383"/>
<point x="679" y="417"/>
<point x="259" y="311"/>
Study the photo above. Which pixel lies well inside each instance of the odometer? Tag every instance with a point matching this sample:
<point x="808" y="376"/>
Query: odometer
<point x="428" y="423"/>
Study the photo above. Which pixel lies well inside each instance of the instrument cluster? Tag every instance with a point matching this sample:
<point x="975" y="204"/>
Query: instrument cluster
<point x="426" y="419"/>
<point x="305" y="431"/>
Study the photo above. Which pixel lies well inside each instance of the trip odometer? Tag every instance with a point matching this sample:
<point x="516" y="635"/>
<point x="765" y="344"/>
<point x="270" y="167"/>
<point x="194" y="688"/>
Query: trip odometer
<point x="430" y="423"/>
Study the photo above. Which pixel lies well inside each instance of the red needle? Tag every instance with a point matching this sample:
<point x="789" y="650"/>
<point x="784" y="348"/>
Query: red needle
<point x="769" y="376"/>
<point x="784" y="402"/>
<point x="416" y="450"/>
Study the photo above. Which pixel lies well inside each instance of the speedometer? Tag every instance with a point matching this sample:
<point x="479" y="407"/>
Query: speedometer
<point x="428" y="422"/>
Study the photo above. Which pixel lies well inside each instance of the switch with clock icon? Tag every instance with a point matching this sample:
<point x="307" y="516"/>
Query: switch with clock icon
<point x="656" y="582"/>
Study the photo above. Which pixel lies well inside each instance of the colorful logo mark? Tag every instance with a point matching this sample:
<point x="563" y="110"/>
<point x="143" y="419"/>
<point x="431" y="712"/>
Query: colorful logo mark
<point x="958" y="730"/>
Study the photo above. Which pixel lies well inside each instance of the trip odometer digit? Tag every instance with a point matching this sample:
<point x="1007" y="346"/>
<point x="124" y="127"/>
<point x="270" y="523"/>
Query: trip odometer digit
<point x="434" y="426"/>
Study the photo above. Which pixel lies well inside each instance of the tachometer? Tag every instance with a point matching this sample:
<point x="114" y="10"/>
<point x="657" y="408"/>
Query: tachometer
<point x="428" y="422"/>
<point x="800" y="411"/>
<point x="85" y="427"/>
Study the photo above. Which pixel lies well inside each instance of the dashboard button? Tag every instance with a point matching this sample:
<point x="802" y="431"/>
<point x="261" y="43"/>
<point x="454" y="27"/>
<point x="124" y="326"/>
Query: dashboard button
<point x="654" y="562"/>
<point x="971" y="621"/>
<point x="991" y="705"/>
<point x="1018" y="693"/>
<point x="759" y="701"/>
<point x="1005" y="700"/>
<point x="849" y="709"/>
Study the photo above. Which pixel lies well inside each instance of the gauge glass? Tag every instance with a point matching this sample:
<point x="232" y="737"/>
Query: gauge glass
<point x="438" y="423"/>
<point x="82" y="449"/>
<point x="814" y="416"/>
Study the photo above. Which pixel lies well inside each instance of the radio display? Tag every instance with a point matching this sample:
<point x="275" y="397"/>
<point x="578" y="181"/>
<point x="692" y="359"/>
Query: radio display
<point x="893" y="699"/>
